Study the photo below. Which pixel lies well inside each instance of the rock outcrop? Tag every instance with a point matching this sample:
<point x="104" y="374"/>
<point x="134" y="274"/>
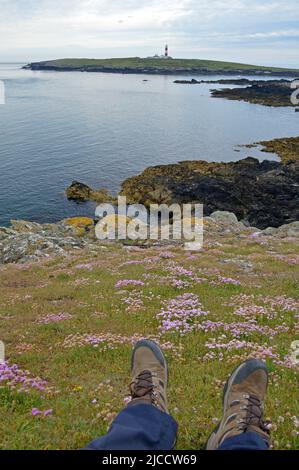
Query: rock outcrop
<point x="80" y="192"/>
<point x="287" y="148"/>
<point x="27" y="242"/>
<point x="262" y="194"/>
<point x="272" y="93"/>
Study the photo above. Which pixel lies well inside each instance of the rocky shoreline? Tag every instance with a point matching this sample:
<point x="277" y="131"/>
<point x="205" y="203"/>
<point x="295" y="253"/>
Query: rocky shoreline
<point x="260" y="194"/>
<point x="157" y="71"/>
<point x="265" y="92"/>
<point x="244" y="198"/>
<point x="269" y="93"/>
<point x="286" y="148"/>
<point x="233" y="81"/>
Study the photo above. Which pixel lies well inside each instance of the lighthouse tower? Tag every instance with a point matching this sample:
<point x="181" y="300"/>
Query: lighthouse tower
<point x="166" y="51"/>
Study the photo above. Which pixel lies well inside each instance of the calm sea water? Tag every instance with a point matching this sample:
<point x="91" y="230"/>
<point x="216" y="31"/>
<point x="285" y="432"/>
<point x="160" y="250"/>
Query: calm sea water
<point x="101" y="128"/>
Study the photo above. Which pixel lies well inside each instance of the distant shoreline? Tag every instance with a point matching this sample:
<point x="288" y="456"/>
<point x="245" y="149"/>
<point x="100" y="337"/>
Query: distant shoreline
<point x="153" y="66"/>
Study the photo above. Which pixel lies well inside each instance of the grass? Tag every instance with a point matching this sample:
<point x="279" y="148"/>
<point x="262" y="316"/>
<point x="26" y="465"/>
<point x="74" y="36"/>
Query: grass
<point x="83" y="285"/>
<point x="170" y="64"/>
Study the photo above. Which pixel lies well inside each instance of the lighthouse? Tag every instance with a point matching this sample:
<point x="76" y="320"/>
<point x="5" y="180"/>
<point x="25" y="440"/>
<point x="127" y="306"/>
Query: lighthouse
<point x="166" y="51"/>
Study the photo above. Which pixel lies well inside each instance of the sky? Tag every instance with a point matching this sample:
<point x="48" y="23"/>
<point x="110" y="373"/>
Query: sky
<point x="262" y="32"/>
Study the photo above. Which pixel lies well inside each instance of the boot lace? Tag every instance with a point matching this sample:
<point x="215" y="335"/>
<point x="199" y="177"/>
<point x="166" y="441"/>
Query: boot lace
<point x="142" y="386"/>
<point x="254" y="414"/>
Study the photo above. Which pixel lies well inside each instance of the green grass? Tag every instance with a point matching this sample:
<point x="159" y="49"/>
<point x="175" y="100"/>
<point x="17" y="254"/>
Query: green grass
<point x="170" y="64"/>
<point x="78" y="375"/>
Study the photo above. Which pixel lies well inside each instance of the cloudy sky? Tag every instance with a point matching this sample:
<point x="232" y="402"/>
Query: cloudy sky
<point x="262" y="32"/>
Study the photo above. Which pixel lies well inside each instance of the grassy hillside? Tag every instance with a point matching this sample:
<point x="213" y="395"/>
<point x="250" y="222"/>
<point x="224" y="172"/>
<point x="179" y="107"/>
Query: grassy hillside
<point x="137" y="63"/>
<point x="72" y="322"/>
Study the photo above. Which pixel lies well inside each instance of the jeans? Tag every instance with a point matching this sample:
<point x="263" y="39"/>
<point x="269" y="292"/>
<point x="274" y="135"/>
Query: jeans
<point x="144" y="427"/>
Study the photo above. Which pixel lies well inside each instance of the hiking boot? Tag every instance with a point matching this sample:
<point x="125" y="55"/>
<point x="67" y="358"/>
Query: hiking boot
<point x="243" y="401"/>
<point x="149" y="375"/>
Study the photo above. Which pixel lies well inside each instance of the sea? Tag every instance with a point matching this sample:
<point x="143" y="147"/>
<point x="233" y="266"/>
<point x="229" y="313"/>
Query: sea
<point x="99" y="129"/>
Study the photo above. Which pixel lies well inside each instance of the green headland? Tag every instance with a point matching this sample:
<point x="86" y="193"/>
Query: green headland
<point x="157" y="65"/>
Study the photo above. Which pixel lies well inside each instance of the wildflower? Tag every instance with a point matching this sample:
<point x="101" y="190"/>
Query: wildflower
<point x="15" y="378"/>
<point x="127" y="400"/>
<point x="109" y="341"/>
<point x="180" y="314"/>
<point x="54" y="318"/>
<point x="129" y="282"/>
<point x="37" y="412"/>
<point x="228" y="280"/>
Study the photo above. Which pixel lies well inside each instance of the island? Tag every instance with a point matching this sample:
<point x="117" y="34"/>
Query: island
<point x="159" y="66"/>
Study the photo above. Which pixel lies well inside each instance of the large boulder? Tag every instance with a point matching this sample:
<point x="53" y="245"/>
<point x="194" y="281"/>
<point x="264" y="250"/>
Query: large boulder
<point x="288" y="230"/>
<point x="23" y="247"/>
<point x="224" y="217"/>
<point x="81" y="192"/>
<point x="78" y="191"/>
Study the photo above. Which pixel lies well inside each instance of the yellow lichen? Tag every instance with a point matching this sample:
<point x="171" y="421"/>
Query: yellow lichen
<point x="80" y="222"/>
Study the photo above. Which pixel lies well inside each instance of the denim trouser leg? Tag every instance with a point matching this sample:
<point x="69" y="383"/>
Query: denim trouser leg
<point x="144" y="427"/>
<point x="245" y="441"/>
<point x="138" y="427"/>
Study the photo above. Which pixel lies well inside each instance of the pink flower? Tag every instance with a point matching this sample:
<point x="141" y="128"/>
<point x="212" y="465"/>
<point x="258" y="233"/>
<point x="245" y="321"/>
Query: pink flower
<point x="129" y="282"/>
<point x="37" y="412"/>
<point x="54" y="318"/>
<point x="127" y="400"/>
<point x="181" y="313"/>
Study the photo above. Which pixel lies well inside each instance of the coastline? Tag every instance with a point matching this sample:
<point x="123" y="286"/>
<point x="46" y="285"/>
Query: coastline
<point x="218" y="186"/>
<point x="152" y="66"/>
<point x="153" y="71"/>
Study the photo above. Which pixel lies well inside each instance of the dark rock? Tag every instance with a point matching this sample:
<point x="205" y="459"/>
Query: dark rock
<point x="81" y="192"/>
<point x="188" y="82"/>
<point x="262" y="194"/>
<point x="268" y="93"/>
<point x="78" y="191"/>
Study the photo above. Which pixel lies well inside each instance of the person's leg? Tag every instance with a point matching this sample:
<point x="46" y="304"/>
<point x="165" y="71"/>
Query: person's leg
<point x="245" y="441"/>
<point x="145" y="424"/>
<point x="242" y="426"/>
